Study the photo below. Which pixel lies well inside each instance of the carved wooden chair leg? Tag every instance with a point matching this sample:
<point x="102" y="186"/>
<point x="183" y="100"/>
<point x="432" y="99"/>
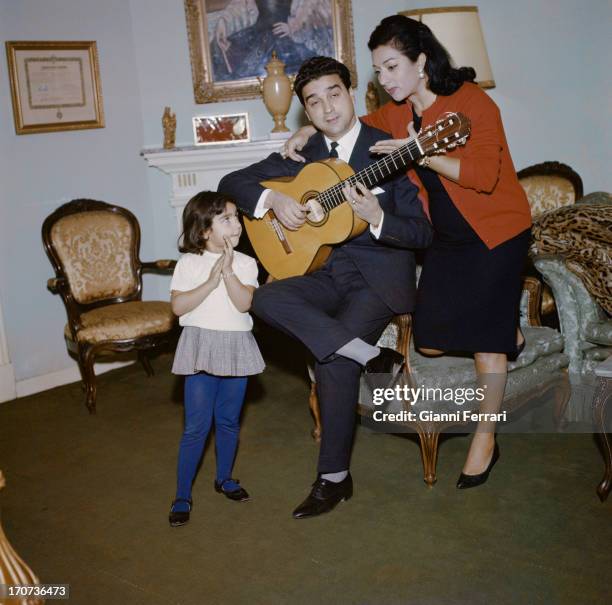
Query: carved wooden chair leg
<point x="313" y="402"/>
<point x="602" y="398"/>
<point x="146" y="363"/>
<point x="603" y="489"/>
<point x="428" y="441"/>
<point x="82" y="372"/>
<point x="13" y="569"/>
<point x="90" y="379"/>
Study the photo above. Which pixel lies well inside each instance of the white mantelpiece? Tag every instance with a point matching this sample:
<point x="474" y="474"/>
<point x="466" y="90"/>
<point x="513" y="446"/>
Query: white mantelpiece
<point x="194" y="169"/>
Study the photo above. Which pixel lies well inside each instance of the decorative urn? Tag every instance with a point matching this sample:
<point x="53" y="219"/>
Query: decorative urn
<point x="277" y="89"/>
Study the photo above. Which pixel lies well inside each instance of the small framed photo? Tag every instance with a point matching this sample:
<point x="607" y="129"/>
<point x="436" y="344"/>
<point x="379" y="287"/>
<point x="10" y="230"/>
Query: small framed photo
<point x="216" y="130"/>
<point x="55" y="86"/>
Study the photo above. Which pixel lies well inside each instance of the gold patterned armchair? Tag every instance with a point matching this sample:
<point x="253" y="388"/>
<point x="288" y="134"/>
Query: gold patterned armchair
<point x="549" y="185"/>
<point x="94" y="249"/>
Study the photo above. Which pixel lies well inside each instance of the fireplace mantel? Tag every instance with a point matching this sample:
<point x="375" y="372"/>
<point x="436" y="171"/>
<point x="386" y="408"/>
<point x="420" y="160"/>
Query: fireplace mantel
<point x="195" y="169"/>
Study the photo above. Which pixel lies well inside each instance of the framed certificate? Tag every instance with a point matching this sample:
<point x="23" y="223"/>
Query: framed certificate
<point x="55" y="86"/>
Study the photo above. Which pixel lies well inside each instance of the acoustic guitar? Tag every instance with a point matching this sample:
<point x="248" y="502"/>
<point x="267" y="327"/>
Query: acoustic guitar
<point x="329" y="220"/>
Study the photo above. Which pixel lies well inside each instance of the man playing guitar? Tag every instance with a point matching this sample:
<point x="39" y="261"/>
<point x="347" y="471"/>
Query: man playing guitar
<point x="339" y="310"/>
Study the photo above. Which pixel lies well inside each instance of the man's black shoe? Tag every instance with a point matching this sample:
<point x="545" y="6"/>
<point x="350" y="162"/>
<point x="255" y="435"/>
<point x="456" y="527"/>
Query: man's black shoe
<point x="388" y="361"/>
<point x="324" y="496"/>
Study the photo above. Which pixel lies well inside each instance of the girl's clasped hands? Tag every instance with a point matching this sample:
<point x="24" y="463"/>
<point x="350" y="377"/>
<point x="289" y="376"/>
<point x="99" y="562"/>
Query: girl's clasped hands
<point x="223" y="265"/>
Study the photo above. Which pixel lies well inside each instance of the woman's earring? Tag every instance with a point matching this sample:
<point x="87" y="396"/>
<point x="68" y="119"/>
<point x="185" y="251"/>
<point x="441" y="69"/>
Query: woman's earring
<point x="421" y="73"/>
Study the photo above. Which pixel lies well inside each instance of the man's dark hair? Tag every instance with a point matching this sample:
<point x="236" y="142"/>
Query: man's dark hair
<point x="317" y="67"/>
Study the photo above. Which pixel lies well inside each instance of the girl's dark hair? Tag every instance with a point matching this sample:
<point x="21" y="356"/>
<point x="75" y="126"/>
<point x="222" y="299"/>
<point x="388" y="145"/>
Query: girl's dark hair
<point x="198" y="216"/>
<point x="412" y="38"/>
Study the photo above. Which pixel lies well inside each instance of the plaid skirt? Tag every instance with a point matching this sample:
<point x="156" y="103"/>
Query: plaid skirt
<point x="218" y="352"/>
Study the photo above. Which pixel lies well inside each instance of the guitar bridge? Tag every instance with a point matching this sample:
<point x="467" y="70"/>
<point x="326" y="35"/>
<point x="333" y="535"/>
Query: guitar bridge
<point x="276" y="226"/>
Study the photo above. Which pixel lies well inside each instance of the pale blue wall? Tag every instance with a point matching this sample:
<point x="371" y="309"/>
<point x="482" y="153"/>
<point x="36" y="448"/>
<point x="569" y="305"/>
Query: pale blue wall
<point x="44" y="170"/>
<point x="549" y="57"/>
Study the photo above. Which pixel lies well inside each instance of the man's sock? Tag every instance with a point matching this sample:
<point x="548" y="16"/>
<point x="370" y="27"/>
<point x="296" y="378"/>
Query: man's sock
<point x="358" y="350"/>
<point x="335" y="477"/>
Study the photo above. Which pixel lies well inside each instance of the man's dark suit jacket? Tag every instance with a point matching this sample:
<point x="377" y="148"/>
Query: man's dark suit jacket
<point x="387" y="264"/>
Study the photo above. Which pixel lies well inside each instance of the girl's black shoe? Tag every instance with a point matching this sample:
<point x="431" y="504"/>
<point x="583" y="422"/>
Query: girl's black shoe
<point x="179" y="517"/>
<point x="233" y="491"/>
<point x="467" y="481"/>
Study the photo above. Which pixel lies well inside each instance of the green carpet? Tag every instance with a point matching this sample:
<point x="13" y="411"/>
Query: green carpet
<point x="87" y="499"/>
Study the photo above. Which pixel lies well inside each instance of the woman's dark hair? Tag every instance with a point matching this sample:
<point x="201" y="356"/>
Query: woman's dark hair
<point x="317" y="67"/>
<point x="412" y="38"/>
<point x="198" y="216"/>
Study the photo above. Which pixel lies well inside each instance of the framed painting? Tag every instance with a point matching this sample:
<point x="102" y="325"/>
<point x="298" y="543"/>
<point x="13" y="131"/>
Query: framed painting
<point x="54" y="86"/>
<point x="231" y="41"/>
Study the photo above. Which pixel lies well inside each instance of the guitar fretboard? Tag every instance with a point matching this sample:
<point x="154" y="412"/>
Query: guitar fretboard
<point x="372" y="174"/>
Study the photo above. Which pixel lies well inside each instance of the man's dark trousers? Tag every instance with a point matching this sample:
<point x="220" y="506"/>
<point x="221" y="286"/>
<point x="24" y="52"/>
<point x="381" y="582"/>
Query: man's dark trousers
<point x="325" y="310"/>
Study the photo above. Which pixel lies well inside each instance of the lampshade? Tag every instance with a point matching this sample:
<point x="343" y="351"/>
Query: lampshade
<point x="458" y="29"/>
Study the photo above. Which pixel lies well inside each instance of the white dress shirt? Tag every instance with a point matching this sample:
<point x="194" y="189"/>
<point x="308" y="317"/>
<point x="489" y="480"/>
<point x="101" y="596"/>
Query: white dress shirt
<point x="344" y="149"/>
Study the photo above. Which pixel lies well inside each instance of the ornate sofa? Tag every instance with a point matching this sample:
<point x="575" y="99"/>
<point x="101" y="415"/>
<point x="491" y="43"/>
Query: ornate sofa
<point x="539" y="370"/>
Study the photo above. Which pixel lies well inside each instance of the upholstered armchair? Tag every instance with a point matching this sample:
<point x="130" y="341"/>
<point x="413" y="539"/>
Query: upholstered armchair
<point x="572" y="249"/>
<point x="586" y="327"/>
<point x="548" y="186"/>
<point x="94" y="249"/>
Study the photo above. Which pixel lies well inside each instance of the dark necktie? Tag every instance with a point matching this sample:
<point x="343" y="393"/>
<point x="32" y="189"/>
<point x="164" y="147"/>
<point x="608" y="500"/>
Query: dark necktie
<point x="333" y="152"/>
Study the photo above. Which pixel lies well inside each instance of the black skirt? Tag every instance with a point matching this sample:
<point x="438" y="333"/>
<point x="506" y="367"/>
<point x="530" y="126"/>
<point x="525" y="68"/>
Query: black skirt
<point x="468" y="296"/>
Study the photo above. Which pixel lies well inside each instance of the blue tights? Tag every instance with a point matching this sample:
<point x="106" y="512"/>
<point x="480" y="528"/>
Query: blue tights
<point x="208" y="396"/>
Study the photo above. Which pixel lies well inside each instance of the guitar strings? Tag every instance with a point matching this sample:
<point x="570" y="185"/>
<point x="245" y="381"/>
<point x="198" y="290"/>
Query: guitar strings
<point x="333" y="197"/>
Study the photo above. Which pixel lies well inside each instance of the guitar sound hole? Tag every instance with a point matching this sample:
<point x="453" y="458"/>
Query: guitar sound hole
<point x="316" y="215"/>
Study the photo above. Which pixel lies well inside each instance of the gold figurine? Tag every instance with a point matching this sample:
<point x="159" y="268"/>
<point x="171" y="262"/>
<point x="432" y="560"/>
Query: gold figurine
<point x="372" y="98"/>
<point x="169" y="126"/>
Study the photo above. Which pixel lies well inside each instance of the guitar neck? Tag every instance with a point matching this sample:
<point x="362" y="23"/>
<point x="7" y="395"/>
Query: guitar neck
<point x="372" y="174"/>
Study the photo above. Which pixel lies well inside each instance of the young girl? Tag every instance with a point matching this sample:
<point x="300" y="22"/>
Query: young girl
<point x="212" y="288"/>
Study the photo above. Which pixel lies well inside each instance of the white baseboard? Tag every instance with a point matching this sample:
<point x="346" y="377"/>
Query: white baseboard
<point x="37" y="384"/>
<point x="7" y="383"/>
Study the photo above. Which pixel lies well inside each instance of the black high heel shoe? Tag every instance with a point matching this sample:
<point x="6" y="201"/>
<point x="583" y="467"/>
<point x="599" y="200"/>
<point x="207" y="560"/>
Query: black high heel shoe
<point x="467" y="481"/>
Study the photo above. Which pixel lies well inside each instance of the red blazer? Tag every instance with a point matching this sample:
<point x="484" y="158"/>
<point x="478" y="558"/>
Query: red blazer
<point x="488" y="193"/>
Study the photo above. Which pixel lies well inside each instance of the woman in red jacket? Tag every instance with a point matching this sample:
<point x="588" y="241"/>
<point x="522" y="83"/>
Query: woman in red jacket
<point x="469" y="290"/>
